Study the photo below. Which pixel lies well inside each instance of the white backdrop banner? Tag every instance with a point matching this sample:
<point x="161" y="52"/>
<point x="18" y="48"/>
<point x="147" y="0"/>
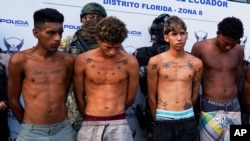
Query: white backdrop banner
<point x="201" y="17"/>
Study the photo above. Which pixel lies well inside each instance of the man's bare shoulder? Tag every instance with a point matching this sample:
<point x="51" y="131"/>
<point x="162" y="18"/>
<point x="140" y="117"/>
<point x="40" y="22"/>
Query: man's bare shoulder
<point x="197" y="61"/>
<point x="157" y="57"/>
<point x="131" y="59"/>
<point x="66" y="56"/>
<point x="19" y="57"/>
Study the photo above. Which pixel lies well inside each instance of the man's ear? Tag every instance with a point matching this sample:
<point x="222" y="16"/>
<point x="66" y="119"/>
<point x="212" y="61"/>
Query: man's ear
<point x="166" y="37"/>
<point x="98" y="40"/>
<point x="35" y="32"/>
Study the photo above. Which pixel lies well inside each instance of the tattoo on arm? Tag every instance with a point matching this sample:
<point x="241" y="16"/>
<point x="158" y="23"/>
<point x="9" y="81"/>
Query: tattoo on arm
<point x="187" y="106"/>
<point x="154" y="66"/>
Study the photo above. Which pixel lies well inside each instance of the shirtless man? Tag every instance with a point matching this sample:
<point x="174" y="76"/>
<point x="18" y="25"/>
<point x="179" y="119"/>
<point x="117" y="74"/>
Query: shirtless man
<point x="222" y="57"/>
<point x="173" y="84"/>
<point x="43" y="75"/>
<point x="105" y="83"/>
<point x="246" y="90"/>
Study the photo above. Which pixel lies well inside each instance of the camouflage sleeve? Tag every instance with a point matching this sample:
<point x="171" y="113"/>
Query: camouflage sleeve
<point x="66" y="46"/>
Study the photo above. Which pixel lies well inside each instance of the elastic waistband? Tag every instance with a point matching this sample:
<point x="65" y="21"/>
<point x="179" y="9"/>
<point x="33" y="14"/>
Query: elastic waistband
<point x="219" y="103"/>
<point x="98" y="118"/>
<point x="174" y="115"/>
<point x="61" y="124"/>
<point x="176" y="121"/>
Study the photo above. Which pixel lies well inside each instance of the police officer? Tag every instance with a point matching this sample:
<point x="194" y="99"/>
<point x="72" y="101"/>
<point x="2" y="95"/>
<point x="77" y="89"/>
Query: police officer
<point x="84" y="38"/>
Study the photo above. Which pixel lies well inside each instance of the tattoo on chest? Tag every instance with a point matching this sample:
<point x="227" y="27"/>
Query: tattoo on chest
<point x="187" y="106"/>
<point x="39" y="72"/>
<point x="118" y="67"/>
<point x="170" y="64"/>
<point x="162" y="103"/>
<point x="55" y="71"/>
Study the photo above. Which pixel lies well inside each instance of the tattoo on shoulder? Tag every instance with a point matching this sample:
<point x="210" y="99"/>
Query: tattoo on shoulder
<point x="190" y="64"/>
<point x="88" y="60"/>
<point x="187" y="106"/>
<point x="154" y="66"/>
<point x="125" y="62"/>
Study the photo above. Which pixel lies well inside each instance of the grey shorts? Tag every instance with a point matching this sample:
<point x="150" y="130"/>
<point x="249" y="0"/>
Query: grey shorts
<point x="109" y="130"/>
<point x="55" y="132"/>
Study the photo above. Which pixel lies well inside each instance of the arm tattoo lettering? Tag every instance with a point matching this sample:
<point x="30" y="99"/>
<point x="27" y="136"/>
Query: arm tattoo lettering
<point x="187" y="106"/>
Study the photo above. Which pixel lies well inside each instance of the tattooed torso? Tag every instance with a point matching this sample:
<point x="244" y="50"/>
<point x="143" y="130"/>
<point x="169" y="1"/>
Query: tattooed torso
<point x="175" y="82"/>
<point x="108" y="82"/>
<point x="44" y="87"/>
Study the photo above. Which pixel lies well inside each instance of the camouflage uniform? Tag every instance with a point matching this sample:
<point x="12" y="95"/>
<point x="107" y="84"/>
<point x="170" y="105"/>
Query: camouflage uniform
<point x="87" y="31"/>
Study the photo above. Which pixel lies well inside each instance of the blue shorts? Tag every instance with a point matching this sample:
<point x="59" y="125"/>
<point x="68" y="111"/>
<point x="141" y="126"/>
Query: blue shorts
<point x="55" y="132"/>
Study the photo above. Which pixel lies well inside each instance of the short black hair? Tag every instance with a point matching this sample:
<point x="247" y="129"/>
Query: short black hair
<point x="47" y="15"/>
<point x="231" y="27"/>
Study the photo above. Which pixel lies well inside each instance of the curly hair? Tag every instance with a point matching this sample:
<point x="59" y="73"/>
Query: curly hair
<point x="231" y="27"/>
<point x="111" y="29"/>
